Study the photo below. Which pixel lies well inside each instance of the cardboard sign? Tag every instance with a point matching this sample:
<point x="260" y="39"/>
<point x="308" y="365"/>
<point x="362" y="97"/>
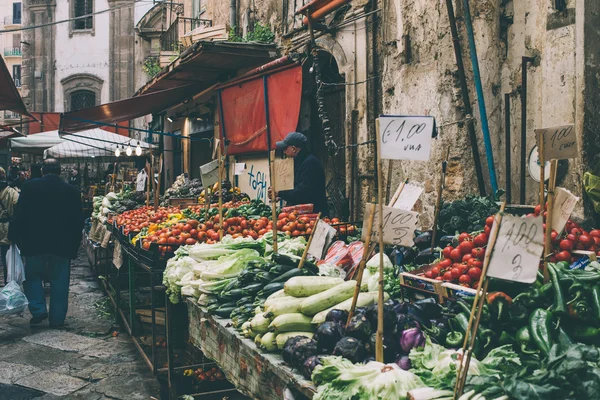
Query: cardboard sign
<point x="210" y="173"/>
<point x="239" y="168"/>
<point x="519" y="246"/>
<point x="322" y="238"/>
<point x="405" y="137"/>
<point x="284" y="174"/>
<point x="564" y="203"/>
<point x="409" y="196"/>
<point x="398" y="226"/>
<point x="560" y="142"/>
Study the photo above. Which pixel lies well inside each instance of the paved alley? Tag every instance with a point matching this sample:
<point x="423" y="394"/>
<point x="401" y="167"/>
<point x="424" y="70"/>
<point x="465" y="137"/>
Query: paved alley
<point x="83" y="361"/>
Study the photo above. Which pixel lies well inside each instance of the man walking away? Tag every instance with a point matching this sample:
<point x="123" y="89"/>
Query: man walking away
<point x="54" y="204"/>
<point x="8" y="199"/>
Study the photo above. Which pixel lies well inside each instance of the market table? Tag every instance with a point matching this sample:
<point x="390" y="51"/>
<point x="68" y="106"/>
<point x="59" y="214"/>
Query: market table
<point x="255" y="373"/>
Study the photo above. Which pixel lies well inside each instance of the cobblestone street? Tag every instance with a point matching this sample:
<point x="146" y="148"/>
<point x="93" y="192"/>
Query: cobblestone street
<point x="82" y="361"/>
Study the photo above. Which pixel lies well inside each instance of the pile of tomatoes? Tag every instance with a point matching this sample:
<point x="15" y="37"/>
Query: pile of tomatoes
<point x="135" y="220"/>
<point x="462" y="264"/>
<point x="293" y="224"/>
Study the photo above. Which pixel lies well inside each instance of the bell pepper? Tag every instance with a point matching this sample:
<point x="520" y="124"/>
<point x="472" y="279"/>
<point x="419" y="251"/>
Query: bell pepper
<point x="525" y="341"/>
<point x="462" y="325"/>
<point x="540" y="329"/>
<point x="518" y="314"/>
<point x="596" y="301"/>
<point x="559" y="301"/>
<point x="454" y="338"/>
<point x="499" y="302"/>
<point x="437" y="331"/>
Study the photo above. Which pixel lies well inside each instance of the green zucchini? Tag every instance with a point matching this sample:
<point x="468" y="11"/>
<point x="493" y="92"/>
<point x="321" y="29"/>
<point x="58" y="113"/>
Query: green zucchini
<point x="285" y="260"/>
<point x="252" y="289"/>
<point x="212" y="308"/>
<point x="257" y="339"/>
<point x="288" y="306"/>
<point x="264" y="277"/>
<point x="290" y="274"/>
<point x="260" y="324"/>
<point x="322" y="301"/>
<point x="279" y="269"/>
<point x="235" y="293"/>
<point x="244" y="300"/>
<point x="270" y="289"/>
<point x="291" y="323"/>
<point x="231" y="285"/>
<point x="268" y="342"/>
<point x="310" y="267"/>
<point x="304" y="286"/>
<point x="224" y="312"/>
<point x="276" y="300"/>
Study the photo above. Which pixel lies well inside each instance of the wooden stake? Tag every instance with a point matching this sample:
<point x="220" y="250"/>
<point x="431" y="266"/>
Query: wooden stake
<point x="207" y="201"/>
<point x="548" y="242"/>
<point x="273" y="197"/>
<point x="389" y="182"/>
<point x="310" y="238"/>
<point x="220" y="189"/>
<point x="379" y="341"/>
<point x="397" y="194"/>
<point x="363" y="261"/>
<point x="438" y="202"/>
<point x="542" y="171"/>
<point x="150" y="170"/>
<point x="476" y="310"/>
<point x="157" y="186"/>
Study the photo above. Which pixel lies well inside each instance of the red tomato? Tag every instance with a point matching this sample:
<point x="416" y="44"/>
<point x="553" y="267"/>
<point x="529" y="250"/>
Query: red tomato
<point x="596" y="240"/>
<point x="455" y="272"/>
<point x="573" y="238"/>
<point x="190" y="241"/>
<point x="465" y="279"/>
<point x="439" y="278"/>
<point x="586" y="240"/>
<point x="566" y="244"/>
<point x="487" y="230"/>
<point x="429" y="275"/>
<point x="463" y="268"/>
<point x="576" y="231"/>
<point x="456" y="255"/>
<point x="446" y="251"/>
<point x="187" y="227"/>
<point x="474" y="273"/>
<point x="480" y="240"/>
<point x="435" y="271"/>
<point x="466" y="257"/>
<point x="537" y="210"/>
<point x="445" y="263"/>
<point x="563" y="256"/>
<point x="463" y="236"/>
<point x="595" y="233"/>
<point x="489" y="221"/>
<point x="447" y="276"/>
<point x="466" y="247"/>
<point x="554" y="237"/>
<point x="478" y="253"/>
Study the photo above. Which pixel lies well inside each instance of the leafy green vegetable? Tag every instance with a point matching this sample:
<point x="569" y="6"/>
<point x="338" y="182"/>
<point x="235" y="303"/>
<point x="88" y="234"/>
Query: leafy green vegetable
<point x="466" y="215"/>
<point x="230" y="266"/>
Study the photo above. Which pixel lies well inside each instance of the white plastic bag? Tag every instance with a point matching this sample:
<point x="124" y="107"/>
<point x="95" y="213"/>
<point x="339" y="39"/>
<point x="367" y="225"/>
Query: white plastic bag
<point x="12" y="300"/>
<point x="16" y="270"/>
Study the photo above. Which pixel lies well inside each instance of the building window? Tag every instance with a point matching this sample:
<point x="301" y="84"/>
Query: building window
<point x="81" y="8"/>
<point x="560" y="5"/>
<point x="17" y="75"/>
<point x="16" y="13"/>
<point x="82" y="99"/>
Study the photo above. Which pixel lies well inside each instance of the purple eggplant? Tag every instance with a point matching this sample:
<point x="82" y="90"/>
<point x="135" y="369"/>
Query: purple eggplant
<point x="403" y="362"/>
<point x="309" y="365"/>
<point x="339" y="316"/>
<point x="411" y="338"/>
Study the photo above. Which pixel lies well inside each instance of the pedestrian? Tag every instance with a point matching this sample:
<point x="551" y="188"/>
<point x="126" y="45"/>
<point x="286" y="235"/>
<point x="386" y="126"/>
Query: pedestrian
<point x="35" y="171"/>
<point x="75" y="179"/>
<point x="55" y="205"/>
<point x="309" y="175"/>
<point x="8" y="200"/>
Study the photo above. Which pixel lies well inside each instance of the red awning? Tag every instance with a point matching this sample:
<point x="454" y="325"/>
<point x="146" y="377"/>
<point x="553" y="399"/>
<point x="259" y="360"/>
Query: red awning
<point x="244" y="115"/>
<point x="126" y="110"/>
<point x="10" y="98"/>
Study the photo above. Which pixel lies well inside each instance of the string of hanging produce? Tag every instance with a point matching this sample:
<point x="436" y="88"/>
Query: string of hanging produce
<point x="330" y="144"/>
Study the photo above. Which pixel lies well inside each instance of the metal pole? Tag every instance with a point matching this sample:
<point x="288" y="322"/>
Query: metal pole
<point x="523" y="143"/>
<point x="507" y="149"/>
<point x="480" y="99"/>
<point x="466" y="98"/>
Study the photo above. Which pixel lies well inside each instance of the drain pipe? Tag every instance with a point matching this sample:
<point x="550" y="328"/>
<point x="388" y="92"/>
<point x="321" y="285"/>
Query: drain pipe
<point x="522" y="181"/>
<point x="233" y="14"/>
<point x="481" y="102"/>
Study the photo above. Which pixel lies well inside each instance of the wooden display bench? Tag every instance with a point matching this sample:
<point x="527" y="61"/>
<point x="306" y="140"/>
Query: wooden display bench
<point x="254" y="373"/>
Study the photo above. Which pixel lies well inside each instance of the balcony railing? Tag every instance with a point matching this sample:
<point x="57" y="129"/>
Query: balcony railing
<point x="12" y="52"/>
<point x="170" y="39"/>
<point x="11" y="20"/>
<point x="11" y="115"/>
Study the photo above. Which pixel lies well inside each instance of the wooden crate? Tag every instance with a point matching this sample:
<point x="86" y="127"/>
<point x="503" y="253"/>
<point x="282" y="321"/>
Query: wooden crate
<point x="423" y="286"/>
<point x="183" y="202"/>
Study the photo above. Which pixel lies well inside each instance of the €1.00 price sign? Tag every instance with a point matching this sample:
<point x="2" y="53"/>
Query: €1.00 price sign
<point x="398" y="226"/>
<point x="519" y="246"/>
<point x="560" y="142"/>
<point x="405" y="137"/>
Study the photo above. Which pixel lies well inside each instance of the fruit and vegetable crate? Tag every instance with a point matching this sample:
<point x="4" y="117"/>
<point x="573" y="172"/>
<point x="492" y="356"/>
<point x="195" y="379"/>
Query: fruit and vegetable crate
<point x="417" y="284"/>
<point x="183" y="202"/>
<point x="346" y="229"/>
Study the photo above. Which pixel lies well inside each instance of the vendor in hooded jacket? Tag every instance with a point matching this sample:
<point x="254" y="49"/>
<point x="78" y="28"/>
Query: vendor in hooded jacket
<point x="309" y="175"/>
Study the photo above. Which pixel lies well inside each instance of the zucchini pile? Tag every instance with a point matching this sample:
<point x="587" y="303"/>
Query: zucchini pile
<point x="299" y="308"/>
<point x="242" y="296"/>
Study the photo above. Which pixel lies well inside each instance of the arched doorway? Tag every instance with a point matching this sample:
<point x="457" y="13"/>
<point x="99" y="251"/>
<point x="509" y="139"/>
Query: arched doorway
<point x="323" y="119"/>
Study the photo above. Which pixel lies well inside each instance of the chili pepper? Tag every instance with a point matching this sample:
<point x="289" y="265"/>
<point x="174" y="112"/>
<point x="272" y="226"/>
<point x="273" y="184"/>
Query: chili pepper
<point x="586" y="334"/>
<point x="463" y="306"/>
<point x="596" y="301"/>
<point x="518" y="314"/>
<point x="499" y="303"/>
<point x="436" y="331"/>
<point x="485" y="335"/>
<point x="454" y="338"/>
<point x="506" y="338"/>
<point x="559" y="301"/>
<point x="462" y="325"/>
<point x="540" y="329"/>
<point x="576" y="291"/>
<point x="525" y="341"/>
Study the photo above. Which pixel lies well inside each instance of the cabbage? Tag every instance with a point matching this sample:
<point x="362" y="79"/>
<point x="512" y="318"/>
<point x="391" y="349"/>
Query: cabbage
<point x="178" y="270"/>
<point x="106" y="202"/>
<point x="105" y="210"/>
<point x="230" y="266"/>
<point x="373" y="264"/>
<point x="205" y="251"/>
<point x="112" y="196"/>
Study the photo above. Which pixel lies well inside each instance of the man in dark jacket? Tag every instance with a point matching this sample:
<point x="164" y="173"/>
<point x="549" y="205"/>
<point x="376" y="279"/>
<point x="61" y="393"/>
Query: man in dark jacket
<point x="309" y="175"/>
<point x="50" y="204"/>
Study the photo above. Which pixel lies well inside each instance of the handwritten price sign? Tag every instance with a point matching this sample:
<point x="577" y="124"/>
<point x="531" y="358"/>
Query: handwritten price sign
<point x="518" y="249"/>
<point x="405" y="137"/>
<point x="564" y="203"/>
<point x="322" y="237"/>
<point x="559" y="142"/>
<point x="398" y="226"/>
<point x="210" y="173"/>
<point x="284" y="174"/>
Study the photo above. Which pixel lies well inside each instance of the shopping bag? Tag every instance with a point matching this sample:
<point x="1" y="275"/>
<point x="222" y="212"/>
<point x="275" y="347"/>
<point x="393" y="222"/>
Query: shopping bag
<point x="16" y="270"/>
<point x="12" y="300"/>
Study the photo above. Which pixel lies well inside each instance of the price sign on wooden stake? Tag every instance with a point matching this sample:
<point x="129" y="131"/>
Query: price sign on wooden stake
<point x="405" y="137"/>
<point x="564" y="203"/>
<point x="322" y="237"/>
<point x="284" y="173"/>
<point x="398" y="225"/>
<point x="210" y="173"/>
<point x="519" y="246"/>
<point x="409" y="196"/>
<point x="559" y="142"/>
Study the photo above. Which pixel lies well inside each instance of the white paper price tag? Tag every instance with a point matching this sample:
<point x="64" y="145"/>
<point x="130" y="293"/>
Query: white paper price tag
<point x="239" y="168"/>
<point x="210" y="173"/>
<point x="284" y="174"/>
<point x="559" y="142"/>
<point x="519" y="246"/>
<point x="564" y="203"/>
<point x="398" y="225"/>
<point x="409" y="196"/>
<point x="405" y="137"/>
<point x="322" y="237"/>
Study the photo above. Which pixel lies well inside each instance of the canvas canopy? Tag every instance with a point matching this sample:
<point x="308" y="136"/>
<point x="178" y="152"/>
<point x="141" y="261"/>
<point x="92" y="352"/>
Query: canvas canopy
<point x="94" y="143"/>
<point x="35" y="143"/>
